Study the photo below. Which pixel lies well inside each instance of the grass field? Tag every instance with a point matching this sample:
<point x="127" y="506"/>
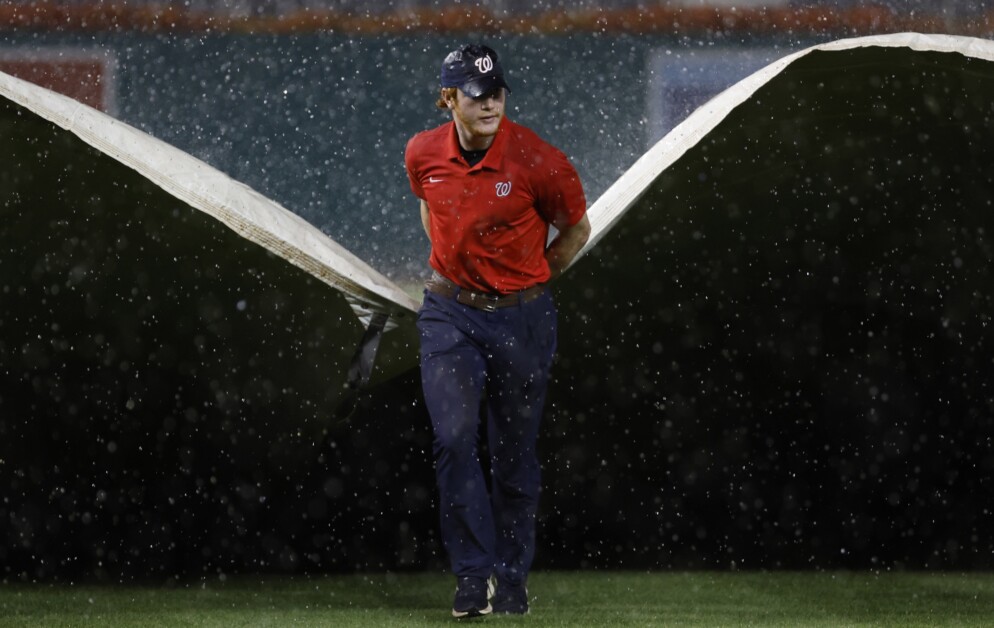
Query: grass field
<point x="558" y="599"/>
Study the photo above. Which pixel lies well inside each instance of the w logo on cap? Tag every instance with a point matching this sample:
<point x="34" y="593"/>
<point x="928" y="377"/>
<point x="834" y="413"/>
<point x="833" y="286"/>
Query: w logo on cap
<point x="484" y="64"/>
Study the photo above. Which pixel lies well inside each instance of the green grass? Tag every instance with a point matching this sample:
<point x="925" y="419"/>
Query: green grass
<point x="558" y="599"/>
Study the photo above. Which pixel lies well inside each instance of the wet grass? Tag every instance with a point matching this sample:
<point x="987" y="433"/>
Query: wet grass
<point x="558" y="599"/>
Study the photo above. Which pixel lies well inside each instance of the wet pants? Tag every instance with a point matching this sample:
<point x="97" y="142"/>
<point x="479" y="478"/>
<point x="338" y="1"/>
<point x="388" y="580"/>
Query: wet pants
<point x="471" y="360"/>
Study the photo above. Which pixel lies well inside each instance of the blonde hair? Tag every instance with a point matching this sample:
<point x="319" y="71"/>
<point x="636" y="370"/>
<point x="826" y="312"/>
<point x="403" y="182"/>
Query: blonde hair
<point x="447" y="92"/>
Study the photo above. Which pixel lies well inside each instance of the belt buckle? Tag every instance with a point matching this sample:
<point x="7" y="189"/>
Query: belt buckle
<point x="489" y="302"/>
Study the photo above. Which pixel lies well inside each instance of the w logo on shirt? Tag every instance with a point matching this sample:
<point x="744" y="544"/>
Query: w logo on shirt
<point x="503" y="188"/>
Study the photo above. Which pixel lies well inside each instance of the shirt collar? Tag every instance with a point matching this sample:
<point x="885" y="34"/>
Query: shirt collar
<point x="495" y="154"/>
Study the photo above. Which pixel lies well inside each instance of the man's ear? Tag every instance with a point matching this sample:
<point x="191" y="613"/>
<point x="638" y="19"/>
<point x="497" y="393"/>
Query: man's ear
<point x="449" y="96"/>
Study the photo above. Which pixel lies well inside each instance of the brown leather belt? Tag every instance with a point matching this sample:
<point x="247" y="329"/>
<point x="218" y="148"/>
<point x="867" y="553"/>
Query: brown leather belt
<point x="486" y="301"/>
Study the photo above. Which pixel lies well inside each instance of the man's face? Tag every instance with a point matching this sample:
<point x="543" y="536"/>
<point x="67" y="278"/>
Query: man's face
<point x="478" y="117"/>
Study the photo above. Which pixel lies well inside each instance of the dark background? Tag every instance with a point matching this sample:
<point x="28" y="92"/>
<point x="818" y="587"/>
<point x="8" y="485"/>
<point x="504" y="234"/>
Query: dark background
<point x="744" y="382"/>
<point x="792" y="327"/>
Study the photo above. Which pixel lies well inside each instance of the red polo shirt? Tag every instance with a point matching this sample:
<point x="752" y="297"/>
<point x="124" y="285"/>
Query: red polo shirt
<point x="489" y="223"/>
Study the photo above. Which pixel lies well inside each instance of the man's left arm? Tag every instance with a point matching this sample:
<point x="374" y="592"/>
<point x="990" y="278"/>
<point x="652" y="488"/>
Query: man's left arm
<point x="567" y="244"/>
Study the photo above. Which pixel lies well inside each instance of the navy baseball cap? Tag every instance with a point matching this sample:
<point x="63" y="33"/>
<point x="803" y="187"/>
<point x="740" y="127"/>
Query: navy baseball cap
<point x="474" y="69"/>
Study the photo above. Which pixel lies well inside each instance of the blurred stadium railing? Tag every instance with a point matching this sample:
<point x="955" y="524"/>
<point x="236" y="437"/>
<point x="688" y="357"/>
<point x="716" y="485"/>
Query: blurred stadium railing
<point x="278" y="7"/>
<point x="531" y="7"/>
<point x="974" y="17"/>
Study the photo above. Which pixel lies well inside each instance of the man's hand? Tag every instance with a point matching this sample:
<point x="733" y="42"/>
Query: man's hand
<point x="566" y="245"/>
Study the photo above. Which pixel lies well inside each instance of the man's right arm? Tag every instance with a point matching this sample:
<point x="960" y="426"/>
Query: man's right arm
<point x="567" y="244"/>
<point x="410" y="164"/>
<point x="424" y="217"/>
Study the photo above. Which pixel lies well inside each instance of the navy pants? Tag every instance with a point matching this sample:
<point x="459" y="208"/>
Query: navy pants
<point x="471" y="360"/>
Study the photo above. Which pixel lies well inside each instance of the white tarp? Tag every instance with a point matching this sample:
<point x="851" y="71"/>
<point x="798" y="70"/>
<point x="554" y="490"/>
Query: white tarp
<point x="248" y="213"/>
<point x="265" y="222"/>
<point x="624" y="193"/>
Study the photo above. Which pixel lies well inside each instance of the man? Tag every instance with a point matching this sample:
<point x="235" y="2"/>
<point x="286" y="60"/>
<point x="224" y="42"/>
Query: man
<point x="489" y="189"/>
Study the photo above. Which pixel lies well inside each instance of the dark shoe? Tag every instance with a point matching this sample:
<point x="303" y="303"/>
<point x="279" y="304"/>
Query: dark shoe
<point x="471" y="598"/>
<point x="510" y="599"/>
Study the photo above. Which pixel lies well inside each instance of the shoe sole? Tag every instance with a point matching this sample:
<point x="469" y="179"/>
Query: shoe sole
<point x="511" y="612"/>
<point x="476" y="612"/>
